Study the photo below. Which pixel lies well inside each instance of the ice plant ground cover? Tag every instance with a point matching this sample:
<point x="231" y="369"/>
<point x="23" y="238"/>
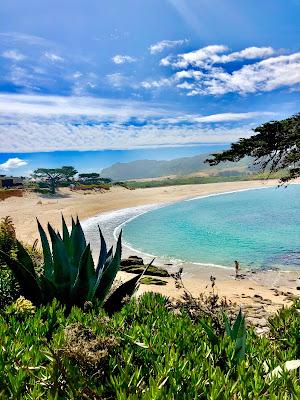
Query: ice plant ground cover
<point x="145" y="351"/>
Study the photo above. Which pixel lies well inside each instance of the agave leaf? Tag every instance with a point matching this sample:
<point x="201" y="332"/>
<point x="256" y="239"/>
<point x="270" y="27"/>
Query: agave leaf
<point x="61" y="265"/>
<point x="29" y="283"/>
<point x="109" y="258"/>
<point x="48" y="262"/>
<point x="115" y="301"/>
<point x="210" y="333"/>
<point x="48" y="289"/>
<point x="109" y="273"/>
<point x="103" y="253"/>
<point x="85" y="281"/>
<point x="78" y="243"/>
<point x="236" y="325"/>
<point x="66" y="236"/>
<point x="227" y="325"/>
<point x="240" y="343"/>
<point x="24" y="258"/>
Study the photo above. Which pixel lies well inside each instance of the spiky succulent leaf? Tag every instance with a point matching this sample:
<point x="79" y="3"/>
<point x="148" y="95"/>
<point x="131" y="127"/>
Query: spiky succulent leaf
<point x="240" y="342"/>
<point x="61" y="266"/>
<point x="227" y="325"/>
<point x="66" y="236"/>
<point x="86" y="278"/>
<point x="28" y="282"/>
<point x="24" y="258"/>
<point x="236" y="326"/>
<point x="213" y="338"/>
<point x="115" y="301"/>
<point x="103" y="253"/>
<point x="48" y="289"/>
<point x="48" y="262"/>
<point x="109" y="273"/>
<point x="78" y="243"/>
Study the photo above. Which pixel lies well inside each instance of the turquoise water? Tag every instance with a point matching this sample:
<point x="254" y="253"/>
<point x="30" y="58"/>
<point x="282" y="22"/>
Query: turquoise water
<point x="260" y="228"/>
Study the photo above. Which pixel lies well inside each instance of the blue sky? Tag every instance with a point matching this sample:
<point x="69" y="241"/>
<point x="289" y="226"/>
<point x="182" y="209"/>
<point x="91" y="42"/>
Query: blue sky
<point x="94" y="82"/>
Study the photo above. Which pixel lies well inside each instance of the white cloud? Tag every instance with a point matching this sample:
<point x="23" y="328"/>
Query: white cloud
<point x="214" y="54"/>
<point x="157" y="84"/>
<point x="263" y="76"/>
<point x="249" y="53"/>
<point x="35" y="137"/>
<point x="46" y="123"/>
<point x="12" y="163"/>
<point x="53" y="57"/>
<point x="119" y="59"/>
<point x="14" y="55"/>
<point x="165" y="44"/>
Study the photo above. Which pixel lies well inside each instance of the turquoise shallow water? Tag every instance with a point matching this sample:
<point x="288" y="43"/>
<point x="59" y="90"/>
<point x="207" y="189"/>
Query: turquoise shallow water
<point x="260" y="228"/>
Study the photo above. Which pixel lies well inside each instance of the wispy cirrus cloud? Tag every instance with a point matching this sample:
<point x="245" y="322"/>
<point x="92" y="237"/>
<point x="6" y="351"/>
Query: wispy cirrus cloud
<point x="49" y="123"/>
<point x="13" y="163"/>
<point x="123" y="59"/>
<point x="166" y="44"/>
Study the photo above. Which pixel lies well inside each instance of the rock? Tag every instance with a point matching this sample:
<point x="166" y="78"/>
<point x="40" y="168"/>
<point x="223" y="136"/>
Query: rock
<point x="260" y="322"/>
<point x="132" y="260"/>
<point x="147" y="280"/>
<point x="152" y="270"/>
<point x="262" y="331"/>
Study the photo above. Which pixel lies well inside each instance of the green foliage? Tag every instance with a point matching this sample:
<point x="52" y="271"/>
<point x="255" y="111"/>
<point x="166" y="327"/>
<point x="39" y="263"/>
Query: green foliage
<point x="9" y="290"/>
<point x="144" y="352"/>
<point x="192" y="180"/>
<point x="52" y="176"/>
<point x="92" y="178"/>
<point x="68" y="272"/>
<point x="276" y="146"/>
<point x="237" y="334"/>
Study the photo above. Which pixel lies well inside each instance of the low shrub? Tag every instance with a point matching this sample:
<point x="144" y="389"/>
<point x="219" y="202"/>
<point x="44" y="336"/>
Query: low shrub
<point x="146" y="351"/>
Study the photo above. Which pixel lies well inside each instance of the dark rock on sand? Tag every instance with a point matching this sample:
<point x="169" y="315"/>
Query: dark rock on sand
<point x="132" y="260"/>
<point x="152" y="270"/>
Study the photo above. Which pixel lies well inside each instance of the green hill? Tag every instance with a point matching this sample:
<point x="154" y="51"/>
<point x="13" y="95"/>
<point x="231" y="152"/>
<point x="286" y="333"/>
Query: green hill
<point x="143" y="169"/>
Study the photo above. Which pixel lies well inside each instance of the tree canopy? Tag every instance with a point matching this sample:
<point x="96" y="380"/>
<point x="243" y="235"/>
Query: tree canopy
<point x="54" y="175"/>
<point x="92" y="177"/>
<point x="275" y="146"/>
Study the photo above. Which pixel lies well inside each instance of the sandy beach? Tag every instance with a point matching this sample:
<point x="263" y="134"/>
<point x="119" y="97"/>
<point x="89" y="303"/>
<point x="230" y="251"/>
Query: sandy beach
<point x="266" y="290"/>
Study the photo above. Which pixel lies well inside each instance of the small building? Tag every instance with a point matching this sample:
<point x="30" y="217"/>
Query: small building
<point x="10" y="181"/>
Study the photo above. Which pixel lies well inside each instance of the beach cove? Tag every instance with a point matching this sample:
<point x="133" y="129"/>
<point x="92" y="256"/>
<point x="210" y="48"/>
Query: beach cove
<point x="115" y="207"/>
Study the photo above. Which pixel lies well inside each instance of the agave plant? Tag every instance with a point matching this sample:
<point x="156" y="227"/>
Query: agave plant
<point x="237" y="333"/>
<point x="69" y="273"/>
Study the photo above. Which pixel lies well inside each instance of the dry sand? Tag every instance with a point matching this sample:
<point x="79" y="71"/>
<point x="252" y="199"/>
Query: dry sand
<point x="275" y="288"/>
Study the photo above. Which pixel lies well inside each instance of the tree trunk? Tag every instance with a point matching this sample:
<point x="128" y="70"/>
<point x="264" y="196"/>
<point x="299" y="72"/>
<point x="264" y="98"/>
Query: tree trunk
<point x="52" y="186"/>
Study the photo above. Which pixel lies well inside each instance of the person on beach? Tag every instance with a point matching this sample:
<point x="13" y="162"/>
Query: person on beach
<point x="237" y="268"/>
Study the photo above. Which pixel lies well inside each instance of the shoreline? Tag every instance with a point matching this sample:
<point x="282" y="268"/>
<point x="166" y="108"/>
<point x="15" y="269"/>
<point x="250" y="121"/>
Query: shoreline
<point x="246" y="290"/>
<point x="274" y="287"/>
<point x="169" y="259"/>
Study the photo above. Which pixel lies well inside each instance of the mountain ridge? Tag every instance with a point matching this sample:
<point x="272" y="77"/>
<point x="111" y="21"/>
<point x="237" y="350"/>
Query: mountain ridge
<point x="145" y="169"/>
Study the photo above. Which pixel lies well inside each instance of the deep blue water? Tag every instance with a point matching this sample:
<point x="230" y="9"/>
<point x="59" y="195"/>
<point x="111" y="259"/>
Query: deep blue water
<point x="260" y="228"/>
